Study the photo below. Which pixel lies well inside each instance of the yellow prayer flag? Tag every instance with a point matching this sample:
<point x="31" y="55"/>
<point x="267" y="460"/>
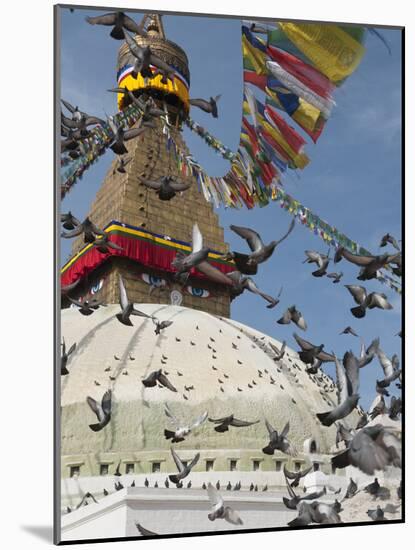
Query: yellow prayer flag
<point x="333" y="51"/>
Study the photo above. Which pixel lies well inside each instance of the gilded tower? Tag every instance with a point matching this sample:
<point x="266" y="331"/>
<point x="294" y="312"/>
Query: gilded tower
<point x="151" y="231"/>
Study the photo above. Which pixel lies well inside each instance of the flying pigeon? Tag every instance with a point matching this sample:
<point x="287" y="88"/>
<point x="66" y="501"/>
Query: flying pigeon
<point x="69" y="221"/>
<point x="259" y="251"/>
<point x="349" y="330"/>
<point x="167" y="186"/>
<point x="321" y="260"/>
<point x="391" y="240"/>
<point x="127" y="307"/>
<point x="183" y="470"/>
<point x="89" y="229"/>
<point x="144" y="532"/>
<point x="335" y="276"/>
<point x="102" y="410"/>
<point x="65" y="356"/>
<point x="372" y="448"/>
<point x="309" y="352"/>
<point x="161" y="325"/>
<point x="278" y="442"/>
<point x="219" y="510"/>
<point x="119" y="21"/>
<point x="296" y="476"/>
<point x="207" y="106"/>
<point x="370" y="265"/>
<point x="348" y="387"/>
<point x="365" y="300"/>
<point x="292" y="314"/>
<point x="225" y="422"/>
<point x="87" y="307"/>
<point x="157" y="376"/>
<point x="181" y="429"/>
<point x="183" y="263"/>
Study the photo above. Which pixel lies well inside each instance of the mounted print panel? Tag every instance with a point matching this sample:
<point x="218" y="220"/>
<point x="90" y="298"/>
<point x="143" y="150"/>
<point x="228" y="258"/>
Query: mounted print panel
<point x="229" y="353"/>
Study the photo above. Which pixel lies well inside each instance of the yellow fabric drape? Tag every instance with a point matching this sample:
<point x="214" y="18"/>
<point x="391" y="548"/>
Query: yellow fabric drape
<point x="176" y="87"/>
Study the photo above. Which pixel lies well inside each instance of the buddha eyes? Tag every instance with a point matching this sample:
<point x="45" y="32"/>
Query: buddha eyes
<point x="199" y="292"/>
<point x="96" y="288"/>
<point x="153" y="280"/>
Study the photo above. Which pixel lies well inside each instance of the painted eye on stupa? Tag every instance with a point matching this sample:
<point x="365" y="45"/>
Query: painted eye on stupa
<point x="96" y="288"/>
<point x="199" y="292"/>
<point x="153" y="280"/>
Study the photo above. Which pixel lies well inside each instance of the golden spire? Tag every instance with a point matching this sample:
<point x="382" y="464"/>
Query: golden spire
<point x="153" y="24"/>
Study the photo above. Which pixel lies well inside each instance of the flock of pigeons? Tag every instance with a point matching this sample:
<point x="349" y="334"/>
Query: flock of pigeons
<point x="371" y="447"/>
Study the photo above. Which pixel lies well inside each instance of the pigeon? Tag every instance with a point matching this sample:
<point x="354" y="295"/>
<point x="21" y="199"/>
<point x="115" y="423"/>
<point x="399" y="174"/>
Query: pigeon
<point x="349" y="330"/>
<point x="68" y="221"/>
<point x="79" y="120"/>
<point x="378" y="406"/>
<point x="119" y="21"/>
<point x="348" y="386"/>
<point x="89" y="229"/>
<point x="127" y="307"/>
<point x="166" y="483"/>
<point x="210" y="106"/>
<point x="370" y="265"/>
<point x="181" y="429"/>
<point x="229" y="486"/>
<point x="157" y="376"/>
<point x="343" y="434"/>
<point x="121" y="164"/>
<point x="133" y="484"/>
<point x="160" y="325"/>
<point x="335" y="276"/>
<point x="372" y="448"/>
<point x="219" y="510"/>
<point x="376" y="515"/>
<point x="364" y="300"/>
<point x="366" y="355"/>
<point x="395" y="407"/>
<point x="102" y="410"/>
<point x="65" y="356"/>
<point x="87" y="307"/>
<point x="363" y="420"/>
<point x="373" y="488"/>
<point x="167" y="186"/>
<point x="242" y="282"/>
<point x="120" y="135"/>
<point x="225" y="422"/>
<point x="390" y="368"/>
<point x="391" y="509"/>
<point x="279" y="353"/>
<point x="294" y="500"/>
<point x="309" y="352"/>
<point x="296" y="476"/>
<point x="146" y="483"/>
<point x="183" y="470"/>
<point x="118" y="486"/>
<point x="351" y="489"/>
<point x="104" y="245"/>
<point x="321" y="260"/>
<point x="259" y="251"/>
<point x="292" y="314"/>
<point x="105" y="492"/>
<point x="142" y="57"/>
<point x="84" y="501"/>
<point x="144" y="532"/>
<point x="389" y="239"/>
<point x="278" y="442"/>
<point x="183" y="263"/>
<point x="117" y="469"/>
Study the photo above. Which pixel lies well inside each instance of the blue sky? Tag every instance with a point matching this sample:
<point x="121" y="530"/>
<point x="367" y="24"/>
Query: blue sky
<point x="353" y="180"/>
